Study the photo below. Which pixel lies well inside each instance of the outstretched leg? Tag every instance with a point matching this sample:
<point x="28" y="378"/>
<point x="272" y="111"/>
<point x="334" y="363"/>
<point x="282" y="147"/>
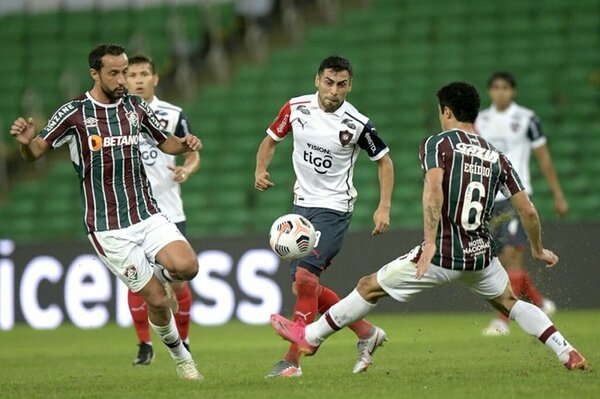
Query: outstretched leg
<point x="535" y="322"/>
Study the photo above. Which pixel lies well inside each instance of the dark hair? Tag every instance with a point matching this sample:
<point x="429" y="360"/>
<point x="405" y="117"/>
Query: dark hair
<point x="462" y="99"/>
<point x="95" y="56"/>
<point x="337" y="63"/>
<point x="502" y="75"/>
<point x="142" y="59"/>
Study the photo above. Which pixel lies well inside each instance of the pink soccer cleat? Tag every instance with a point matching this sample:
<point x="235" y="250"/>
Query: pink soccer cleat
<point x="576" y="361"/>
<point x="294" y="332"/>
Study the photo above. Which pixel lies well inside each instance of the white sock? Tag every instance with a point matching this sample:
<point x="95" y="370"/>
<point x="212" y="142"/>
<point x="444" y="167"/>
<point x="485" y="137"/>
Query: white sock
<point x="346" y="311"/>
<point x="169" y="335"/>
<point x="535" y="322"/>
<point x="162" y="274"/>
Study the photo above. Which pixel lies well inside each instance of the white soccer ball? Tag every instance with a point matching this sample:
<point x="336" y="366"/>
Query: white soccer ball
<point x="292" y="237"/>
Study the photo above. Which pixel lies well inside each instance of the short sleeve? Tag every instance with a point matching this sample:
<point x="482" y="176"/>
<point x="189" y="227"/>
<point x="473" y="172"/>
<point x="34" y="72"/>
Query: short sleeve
<point x="281" y="126"/>
<point x="431" y="153"/>
<point x="370" y="141"/>
<point x="150" y="123"/>
<point x="535" y="134"/>
<point x="59" y="126"/>
<point x="509" y="179"/>
<point x="183" y="126"/>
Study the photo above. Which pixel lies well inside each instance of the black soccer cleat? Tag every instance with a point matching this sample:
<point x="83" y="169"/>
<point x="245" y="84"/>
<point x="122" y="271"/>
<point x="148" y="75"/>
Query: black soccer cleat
<point x="144" y="356"/>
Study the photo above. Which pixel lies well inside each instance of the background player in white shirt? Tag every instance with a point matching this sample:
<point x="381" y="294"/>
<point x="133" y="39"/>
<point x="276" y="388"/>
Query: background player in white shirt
<point x="165" y="176"/>
<point x="516" y="130"/>
<point x="328" y="134"/>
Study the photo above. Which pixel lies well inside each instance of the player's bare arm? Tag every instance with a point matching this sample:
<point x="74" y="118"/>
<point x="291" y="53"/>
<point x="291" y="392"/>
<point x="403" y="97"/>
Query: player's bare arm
<point x="32" y="148"/>
<point x="547" y="167"/>
<point x="175" y="146"/>
<point x="433" y="199"/>
<point x="264" y="156"/>
<point x="191" y="164"/>
<point x="531" y="221"/>
<point x="381" y="217"/>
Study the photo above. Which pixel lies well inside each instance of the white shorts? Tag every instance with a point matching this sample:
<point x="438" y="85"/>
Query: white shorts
<point x="397" y="278"/>
<point x="130" y="252"/>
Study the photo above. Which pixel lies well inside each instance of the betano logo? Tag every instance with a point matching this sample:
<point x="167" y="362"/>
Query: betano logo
<point x="96" y="143"/>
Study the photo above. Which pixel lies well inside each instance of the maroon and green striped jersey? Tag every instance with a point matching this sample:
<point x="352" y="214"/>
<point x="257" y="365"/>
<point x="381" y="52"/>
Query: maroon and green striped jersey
<point x="103" y="143"/>
<point x="474" y="172"/>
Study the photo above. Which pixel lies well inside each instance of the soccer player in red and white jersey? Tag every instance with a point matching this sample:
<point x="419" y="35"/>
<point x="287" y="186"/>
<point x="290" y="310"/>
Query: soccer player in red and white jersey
<point x="516" y="131"/>
<point x="328" y="134"/>
<point x="135" y="241"/>
<point x="165" y="177"/>
<point x="463" y="174"/>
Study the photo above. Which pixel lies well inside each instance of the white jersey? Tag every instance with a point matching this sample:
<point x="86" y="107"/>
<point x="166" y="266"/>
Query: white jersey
<point x="165" y="190"/>
<point x="514" y="131"/>
<point x="326" y="146"/>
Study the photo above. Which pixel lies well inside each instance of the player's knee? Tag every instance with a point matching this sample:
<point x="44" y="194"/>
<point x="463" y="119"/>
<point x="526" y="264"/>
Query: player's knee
<point x="305" y="280"/>
<point x="365" y="284"/>
<point x="187" y="267"/>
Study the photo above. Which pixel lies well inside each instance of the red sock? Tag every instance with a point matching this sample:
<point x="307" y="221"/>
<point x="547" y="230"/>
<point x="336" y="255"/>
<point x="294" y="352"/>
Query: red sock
<point x="182" y="317"/>
<point x="139" y="314"/>
<point x="306" y="307"/>
<point x="328" y="298"/>
<point x="529" y="289"/>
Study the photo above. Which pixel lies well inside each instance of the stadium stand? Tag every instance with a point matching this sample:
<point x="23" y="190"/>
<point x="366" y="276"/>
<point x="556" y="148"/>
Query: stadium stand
<point x="399" y="63"/>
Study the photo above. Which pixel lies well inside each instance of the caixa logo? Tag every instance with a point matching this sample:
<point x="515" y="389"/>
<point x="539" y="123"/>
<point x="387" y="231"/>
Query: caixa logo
<point x="45" y="292"/>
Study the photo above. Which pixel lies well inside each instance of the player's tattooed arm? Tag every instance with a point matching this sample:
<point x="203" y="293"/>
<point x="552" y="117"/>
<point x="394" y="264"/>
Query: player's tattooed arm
<point x="433" y="200"/>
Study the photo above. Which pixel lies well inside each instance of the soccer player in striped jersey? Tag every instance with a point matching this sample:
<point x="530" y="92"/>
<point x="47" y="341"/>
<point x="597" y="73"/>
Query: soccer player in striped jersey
<point x="463" y="174"/>
<point x="516" y="131"/>
<point x="328" y="134"/>
<point x="102" y="129"/>
<point x="165" y="177"/>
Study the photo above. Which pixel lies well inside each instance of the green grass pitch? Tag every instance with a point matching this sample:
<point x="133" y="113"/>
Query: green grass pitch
<point x="427" y="356"/>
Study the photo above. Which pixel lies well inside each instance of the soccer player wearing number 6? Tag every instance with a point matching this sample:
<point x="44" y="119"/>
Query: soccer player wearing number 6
<point x="463" y="174"/>
<point x="165" y="177"/>
<point x="102" y="129"/>
<point x="328" y="134"/>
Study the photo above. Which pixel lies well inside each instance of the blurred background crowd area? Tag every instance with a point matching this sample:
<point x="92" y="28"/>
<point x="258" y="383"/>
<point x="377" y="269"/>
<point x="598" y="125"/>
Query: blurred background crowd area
<point x="232" y="64"/>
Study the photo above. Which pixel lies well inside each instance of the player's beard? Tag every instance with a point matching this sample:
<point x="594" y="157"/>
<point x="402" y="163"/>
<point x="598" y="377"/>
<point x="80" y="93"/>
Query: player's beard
<point x="113" y="95"/>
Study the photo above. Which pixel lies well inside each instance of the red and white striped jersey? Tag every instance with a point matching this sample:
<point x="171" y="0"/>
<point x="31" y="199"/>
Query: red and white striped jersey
<point x="326" y="146"/>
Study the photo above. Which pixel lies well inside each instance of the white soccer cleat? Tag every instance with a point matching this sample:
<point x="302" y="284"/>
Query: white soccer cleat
<point x="497" y="328"/>
<point x="187" y="370"/>
<point x="548" y="307"/>
<point x="366" y="348"/>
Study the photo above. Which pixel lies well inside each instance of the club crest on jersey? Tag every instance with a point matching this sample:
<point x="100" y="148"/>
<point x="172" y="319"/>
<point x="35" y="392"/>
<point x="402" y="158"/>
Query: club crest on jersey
<point x="91" y="122"/>
<point x="345" y="137"/>
<point x="304" y="109"/>
<point x="514" y="126"/>
<point x="131" y="273"/>
<point x="132" y="117"/>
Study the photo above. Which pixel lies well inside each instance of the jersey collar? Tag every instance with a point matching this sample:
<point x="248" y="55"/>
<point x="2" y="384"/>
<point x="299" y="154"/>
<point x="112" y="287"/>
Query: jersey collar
<point x="98" y="103"/>
<point x="507" y="111"/>
<point x="338" y="112"/>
